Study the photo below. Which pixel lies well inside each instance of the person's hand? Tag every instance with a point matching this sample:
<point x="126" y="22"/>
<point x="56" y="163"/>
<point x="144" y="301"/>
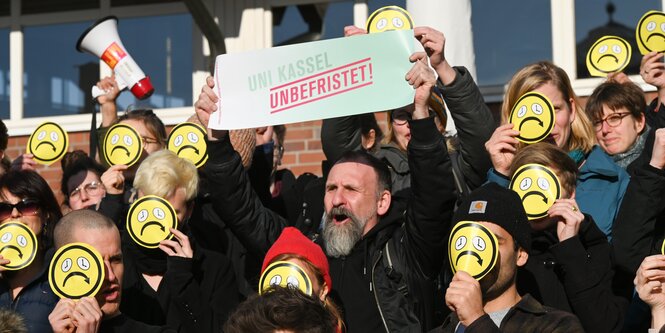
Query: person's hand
<point x="352" y="30"/>
<point x="569" y="218"/>
<point x="502" y="147"/>
<point x="110" y="88"/>
<point x="421" y="78"/>
<point x="649" y="281"/>
<point x="61" y="316"/>
<point x="113" y="179"/>
<point x="618" y="77"/>
<point x="179" y="247"/>
<point x="652" y="69"/>
<point x="24" y="162"/>
<point x="264" y="135"/>
<point x="658" y="152"/>
<point x="3" y="261"/>
<point x="434" y="44"/>
<point x="205" y="106"/>
<point x="87" y="315"/>
<point x="465" y="298"/>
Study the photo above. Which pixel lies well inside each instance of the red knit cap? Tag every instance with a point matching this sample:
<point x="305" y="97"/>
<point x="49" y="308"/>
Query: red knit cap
<point x="292" y="241"/>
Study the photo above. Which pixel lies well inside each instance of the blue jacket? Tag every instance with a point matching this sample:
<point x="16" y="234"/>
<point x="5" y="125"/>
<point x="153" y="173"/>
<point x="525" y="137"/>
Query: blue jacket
<point x="601" y="185"/>
<point x="35" y="301"/>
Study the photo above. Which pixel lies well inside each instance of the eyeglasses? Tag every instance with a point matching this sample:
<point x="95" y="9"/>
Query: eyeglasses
<point x="612" y="120"/>
<point x="26" y="207"/>
<point x="89" y="188"/>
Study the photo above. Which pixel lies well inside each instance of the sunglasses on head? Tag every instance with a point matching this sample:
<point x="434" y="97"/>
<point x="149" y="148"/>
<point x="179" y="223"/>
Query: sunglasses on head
<point x="25" y="207"/>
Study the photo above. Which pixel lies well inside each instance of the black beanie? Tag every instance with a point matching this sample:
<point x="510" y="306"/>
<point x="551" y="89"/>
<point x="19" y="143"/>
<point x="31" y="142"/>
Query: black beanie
<point x="501" y="206"/>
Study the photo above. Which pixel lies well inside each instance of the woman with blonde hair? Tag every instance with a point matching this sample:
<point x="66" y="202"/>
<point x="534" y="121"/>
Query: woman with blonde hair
<point x="601" y="184"/>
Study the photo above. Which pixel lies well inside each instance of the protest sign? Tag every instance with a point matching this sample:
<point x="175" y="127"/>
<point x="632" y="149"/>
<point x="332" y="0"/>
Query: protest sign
<point x="311" y="81"/>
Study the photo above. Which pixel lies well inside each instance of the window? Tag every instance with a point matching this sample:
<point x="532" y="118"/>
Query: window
<point x="162" y="47"/>
<point x="4" y="73"/>
<point x="508" y="35"/>
<point x="50" y="6"/>
<point x="598" y="18"/>
<point x="57" y="78"/>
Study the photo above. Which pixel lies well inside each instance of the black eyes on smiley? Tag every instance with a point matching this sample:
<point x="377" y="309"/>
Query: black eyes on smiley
<point x="476" y="241"/>
<point x="156" y="212"/>
<point x="615" y="48"/>
<point x="291" y="281"/>
<point x="81" y="262"/>
<point x="20" y="239"/>
<point x="543" y="183"/>
<point x="651" y="26"/>
<point x="192" y="137"/>
<point x="126" y="139"/>
<point x="535" y="108"/>
<point x="42" y="135"/>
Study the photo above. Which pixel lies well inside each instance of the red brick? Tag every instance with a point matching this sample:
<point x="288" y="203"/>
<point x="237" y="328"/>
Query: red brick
<point x="311" y="157"/>
<point x="294" y="146"/>
<point x="313" y="144"/>
<point x="299" y="134"/>
<point x="289" y="159"/>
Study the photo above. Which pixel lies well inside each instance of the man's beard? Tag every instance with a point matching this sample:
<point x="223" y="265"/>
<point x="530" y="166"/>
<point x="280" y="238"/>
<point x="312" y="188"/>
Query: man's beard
<point x="339" y="239"/>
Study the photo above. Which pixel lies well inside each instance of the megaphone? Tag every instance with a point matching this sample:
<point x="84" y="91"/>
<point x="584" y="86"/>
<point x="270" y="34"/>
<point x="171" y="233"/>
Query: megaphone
<point x="101" y="39"/>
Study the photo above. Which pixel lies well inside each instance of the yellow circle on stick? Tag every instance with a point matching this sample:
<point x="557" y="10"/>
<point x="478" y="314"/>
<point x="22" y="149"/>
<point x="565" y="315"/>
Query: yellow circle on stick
<point x="48" y="143"/>
<point x="608" y="54"/>
<point x="76" y="271"/>
<point x="538" y="187"/>
<point x="187" y="140"/>
<point x="472" y="248"/>
<point x="532" y="115"/>
<point x="18" y="244"/>
<point x="650" y="32"/>
<point x="122" y="145"/>
<point x="389" y="18"/>
<point x="287" y="275"/>
<point x="149" y="221"/>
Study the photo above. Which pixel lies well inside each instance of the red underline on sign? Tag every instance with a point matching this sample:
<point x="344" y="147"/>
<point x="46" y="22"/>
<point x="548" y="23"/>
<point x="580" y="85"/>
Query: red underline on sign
<point x="322" y="97"/>
<point x="319" y="74"/>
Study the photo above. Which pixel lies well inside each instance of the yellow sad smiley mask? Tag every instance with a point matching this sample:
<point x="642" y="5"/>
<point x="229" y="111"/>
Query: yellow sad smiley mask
<point x="650" y="32"/>
<point x="122" y="145"/>
<point x="285" y="274"/>
<point x="472" y="248"/>
<point x="187" y="140"/>
<point x="608" y="55"/>
<point x="149" y="221"/>
<point x="389" y="18"/>
<point x="533" y="116"/>
<point x="48" y="143"/>
<point x="538" y="188"/>
<point x="76" y="271"/>
<point x="18" y="244"/>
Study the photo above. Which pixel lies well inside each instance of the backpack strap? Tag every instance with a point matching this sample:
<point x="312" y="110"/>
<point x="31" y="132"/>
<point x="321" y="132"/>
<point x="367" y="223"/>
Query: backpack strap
<point x="394" y="266"/>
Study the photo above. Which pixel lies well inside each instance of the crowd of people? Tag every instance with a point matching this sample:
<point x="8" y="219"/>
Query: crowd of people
<point x="364" y="247"/>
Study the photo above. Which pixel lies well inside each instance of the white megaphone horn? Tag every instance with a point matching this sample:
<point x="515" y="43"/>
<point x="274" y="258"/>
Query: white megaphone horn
<point x="101" y="39"/>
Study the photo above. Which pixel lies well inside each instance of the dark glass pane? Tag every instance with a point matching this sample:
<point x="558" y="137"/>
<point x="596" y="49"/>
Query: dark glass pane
<point x="118" y="3"/>
<point x="4" y="73"/>
<point x="162" y="47"/>
<point x="508" y="35"/>
<point x="57" y="78"/>
<point x="5" y="8"/>
<point x="598" y="18"/>
<point x="49" y="6"/>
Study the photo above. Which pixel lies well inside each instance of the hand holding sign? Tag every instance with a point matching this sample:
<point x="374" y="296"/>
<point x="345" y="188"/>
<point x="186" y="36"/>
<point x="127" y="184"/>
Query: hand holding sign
<point x="652" y="69"/>
<point x="502" y="147"/>
<point x="570" y="218"/>
<point x="465" y="298"/>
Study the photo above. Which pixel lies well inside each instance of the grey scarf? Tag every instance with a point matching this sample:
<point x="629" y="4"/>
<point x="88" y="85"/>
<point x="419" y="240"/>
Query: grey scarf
<point x="624" y="159"/>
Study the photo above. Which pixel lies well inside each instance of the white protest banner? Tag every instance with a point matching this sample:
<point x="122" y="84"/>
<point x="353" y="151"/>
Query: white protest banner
<point x="311" y="81"/>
